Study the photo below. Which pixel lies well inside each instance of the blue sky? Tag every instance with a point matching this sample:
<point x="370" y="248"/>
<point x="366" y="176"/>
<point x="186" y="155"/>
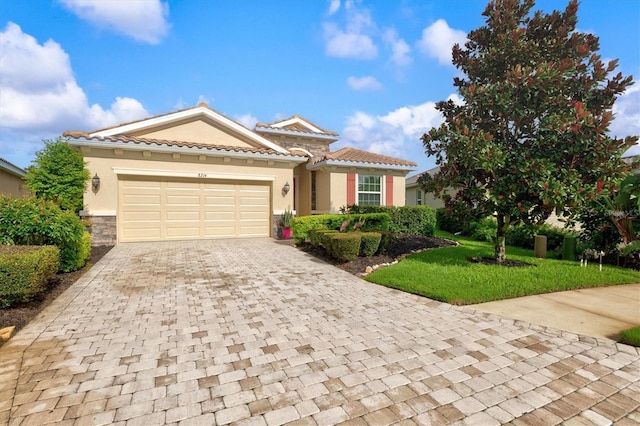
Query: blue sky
<point x="370" y="70"/>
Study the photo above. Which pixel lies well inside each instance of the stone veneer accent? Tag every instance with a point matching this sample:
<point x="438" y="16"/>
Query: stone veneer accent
<point x="103" y="230"/>
<point x="276" y="230"/>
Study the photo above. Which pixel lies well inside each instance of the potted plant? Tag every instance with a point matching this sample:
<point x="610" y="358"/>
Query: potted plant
<point x="287" y="215"/>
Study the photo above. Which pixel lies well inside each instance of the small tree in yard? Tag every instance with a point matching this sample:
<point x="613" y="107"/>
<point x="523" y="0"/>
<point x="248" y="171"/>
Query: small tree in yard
<point x="58" y="174"/>
<point x="530" y="136"/>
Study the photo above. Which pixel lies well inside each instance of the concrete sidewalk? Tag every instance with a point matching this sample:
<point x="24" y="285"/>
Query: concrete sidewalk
<point x="596" y="312"/>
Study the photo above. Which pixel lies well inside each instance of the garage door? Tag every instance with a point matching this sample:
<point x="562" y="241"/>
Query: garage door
<point x="152" y="209"/>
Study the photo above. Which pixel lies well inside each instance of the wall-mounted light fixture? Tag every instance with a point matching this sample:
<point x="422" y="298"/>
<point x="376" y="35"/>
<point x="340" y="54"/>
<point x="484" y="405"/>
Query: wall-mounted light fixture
<point x="286" y="188"/>
<point x="95" y="182"/>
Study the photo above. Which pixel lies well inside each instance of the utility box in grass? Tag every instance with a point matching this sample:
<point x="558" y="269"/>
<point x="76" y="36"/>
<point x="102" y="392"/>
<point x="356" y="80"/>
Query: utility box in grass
<point x="569" y="247"/>
<point x="540" y="246"/>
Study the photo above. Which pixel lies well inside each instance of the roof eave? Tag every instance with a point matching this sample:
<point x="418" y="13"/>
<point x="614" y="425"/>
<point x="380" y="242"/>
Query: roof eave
<point x="188" y="113"/>
<point x="286" y="132"/>
<point x="12" y="169"/>
<point x="358" y="164"/>
<point x="192" y="150"/>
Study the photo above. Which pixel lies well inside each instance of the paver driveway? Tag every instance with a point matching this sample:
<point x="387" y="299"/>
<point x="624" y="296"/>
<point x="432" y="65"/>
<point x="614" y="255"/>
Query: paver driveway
<point x="254" y="332"/>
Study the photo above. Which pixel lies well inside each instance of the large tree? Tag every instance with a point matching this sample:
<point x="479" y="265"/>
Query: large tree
<point x="58" y="174"/>
<point x="530" y="136"/>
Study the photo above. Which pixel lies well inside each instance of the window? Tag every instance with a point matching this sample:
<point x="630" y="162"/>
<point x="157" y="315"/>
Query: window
<point x="369" y="190"/>
<point x="418" y="197"/>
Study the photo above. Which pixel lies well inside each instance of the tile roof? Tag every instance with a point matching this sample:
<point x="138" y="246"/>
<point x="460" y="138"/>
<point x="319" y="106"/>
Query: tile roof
<point x="412" y="180"/>
<point x="359" y="156"/>
<point x="161" y="142"/>
<point x="295" y="127"/>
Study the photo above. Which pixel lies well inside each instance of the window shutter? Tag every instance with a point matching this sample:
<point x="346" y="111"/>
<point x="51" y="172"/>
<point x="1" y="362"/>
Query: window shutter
<point x="351" y="189"/>
<point x="389" y="190"/>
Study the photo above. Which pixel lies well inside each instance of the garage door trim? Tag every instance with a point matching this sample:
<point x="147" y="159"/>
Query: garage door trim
<point x="192" y="174"/>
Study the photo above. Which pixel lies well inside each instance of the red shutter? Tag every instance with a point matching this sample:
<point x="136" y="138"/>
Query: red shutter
<point x="351" y="189"/>
<point x="389" y="191"/>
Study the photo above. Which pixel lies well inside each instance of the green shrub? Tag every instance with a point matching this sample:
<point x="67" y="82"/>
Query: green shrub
<point x="524" y="236"/>
<point x="482" y="230"/>
<point x="416" y="220"/>
<point x="345" y="246"/>
<point x="300" y="226"/>
<point x="369" y="243"/>
<point x="32" y="221"/>
<point x="385" y="240"/>
<point x="324" y="239"/>
<point x="447" y="221"/>
<point x="24" y="271"/>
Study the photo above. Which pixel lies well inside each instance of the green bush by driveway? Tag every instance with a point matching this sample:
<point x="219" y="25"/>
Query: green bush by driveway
<point x="24" y="271"/>
<point x="33" y="221"/>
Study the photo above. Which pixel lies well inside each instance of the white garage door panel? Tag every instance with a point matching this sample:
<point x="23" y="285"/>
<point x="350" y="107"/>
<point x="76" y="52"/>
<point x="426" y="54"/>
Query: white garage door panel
<point x="165" y="209"/>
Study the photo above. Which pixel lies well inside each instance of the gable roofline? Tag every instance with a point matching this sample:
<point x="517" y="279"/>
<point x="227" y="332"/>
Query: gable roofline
<point x="413" y="180"/>
<point x="81" y="139"/>
<point x="202" y="109"/>
<point x="11" y="168"/>
<point x="279" y="127"/>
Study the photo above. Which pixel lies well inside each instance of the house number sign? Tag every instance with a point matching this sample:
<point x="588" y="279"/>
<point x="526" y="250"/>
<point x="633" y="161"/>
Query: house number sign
<point x="202" y="175"/>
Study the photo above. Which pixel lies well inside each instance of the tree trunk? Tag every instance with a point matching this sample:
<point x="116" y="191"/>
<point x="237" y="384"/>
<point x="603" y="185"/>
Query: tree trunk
<point x="501" y="233"/>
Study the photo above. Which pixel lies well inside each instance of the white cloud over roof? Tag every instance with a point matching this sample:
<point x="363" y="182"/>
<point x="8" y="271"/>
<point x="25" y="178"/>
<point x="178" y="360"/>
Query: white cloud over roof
<point x="438" y="40"/>
<point x="354" y="39"/>
<point x="364" y="83"/>
<point x="40" y="96"/>
<point x="142" y="20"/>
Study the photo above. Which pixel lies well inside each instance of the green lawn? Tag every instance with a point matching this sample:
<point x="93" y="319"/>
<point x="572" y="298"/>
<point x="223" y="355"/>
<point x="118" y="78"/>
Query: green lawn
<point x="445" y="274"/>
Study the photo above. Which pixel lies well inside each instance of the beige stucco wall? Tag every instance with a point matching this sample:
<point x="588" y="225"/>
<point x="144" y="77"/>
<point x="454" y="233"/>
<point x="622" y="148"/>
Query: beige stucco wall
<point x="428" y="199"/>
<point x="13" y="185"/>
<point x="338" y="192"/>
<point x="102" y="161"/>
<point x="199" y="131"/>
<point x="303" y="190"/>
<point x="398" y="191"/>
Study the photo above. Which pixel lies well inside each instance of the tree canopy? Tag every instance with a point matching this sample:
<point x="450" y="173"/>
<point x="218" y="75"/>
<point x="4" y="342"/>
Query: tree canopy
<point x="58" y="174"/>
<point x="531" y="133"/>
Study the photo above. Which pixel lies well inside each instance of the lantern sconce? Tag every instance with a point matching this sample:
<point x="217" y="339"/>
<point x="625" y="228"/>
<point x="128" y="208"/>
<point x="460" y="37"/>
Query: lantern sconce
<point x="286" y="188"/>
<point x="95" y="182"/>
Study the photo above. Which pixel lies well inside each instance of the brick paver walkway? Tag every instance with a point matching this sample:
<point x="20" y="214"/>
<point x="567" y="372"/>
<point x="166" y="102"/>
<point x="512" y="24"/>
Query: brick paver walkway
<point x="254" y="332"/>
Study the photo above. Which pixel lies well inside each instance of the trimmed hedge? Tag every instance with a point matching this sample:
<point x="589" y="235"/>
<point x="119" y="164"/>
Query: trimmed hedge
<point x="300" y="226"/>
<point x="416" y="220"/>
<point x="33" y="221"/>
<point x="24" y="271"/>
<point x="345" y="246"/>
<point x="369" y="243"/>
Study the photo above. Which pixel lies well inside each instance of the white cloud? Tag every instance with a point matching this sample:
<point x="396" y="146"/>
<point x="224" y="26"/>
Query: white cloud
<point x="438" y="40"/>
<point x="142" y="20"/>
<point x="247" y="120"/>
<point x="334" y="6"/>
<point x="394" y="133"/>
<point x="399" y="48"/>
<point x="364" y="83"/>
<point x="627" y="117"/>
<point x="354" y="41"/>
<point x="40" y="96"/>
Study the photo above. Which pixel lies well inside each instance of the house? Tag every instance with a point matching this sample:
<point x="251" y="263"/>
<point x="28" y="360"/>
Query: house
<point x="416" y="196"/>
<point x="11" y="180"/>
<point x="196" y="174"/>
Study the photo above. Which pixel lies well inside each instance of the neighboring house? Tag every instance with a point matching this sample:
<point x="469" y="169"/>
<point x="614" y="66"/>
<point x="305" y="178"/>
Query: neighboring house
<point x="416" y="196"/>
<point x="196" y="174"/>
<point x="11" y="180"/>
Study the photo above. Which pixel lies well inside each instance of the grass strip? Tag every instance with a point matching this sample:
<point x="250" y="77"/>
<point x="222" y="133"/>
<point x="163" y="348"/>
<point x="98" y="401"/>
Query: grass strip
<point x="446" y="275"/>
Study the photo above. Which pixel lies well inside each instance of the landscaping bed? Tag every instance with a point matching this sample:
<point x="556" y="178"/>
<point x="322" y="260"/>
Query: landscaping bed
<point x="401" y="245"/>
<point x="20" y="314"/>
